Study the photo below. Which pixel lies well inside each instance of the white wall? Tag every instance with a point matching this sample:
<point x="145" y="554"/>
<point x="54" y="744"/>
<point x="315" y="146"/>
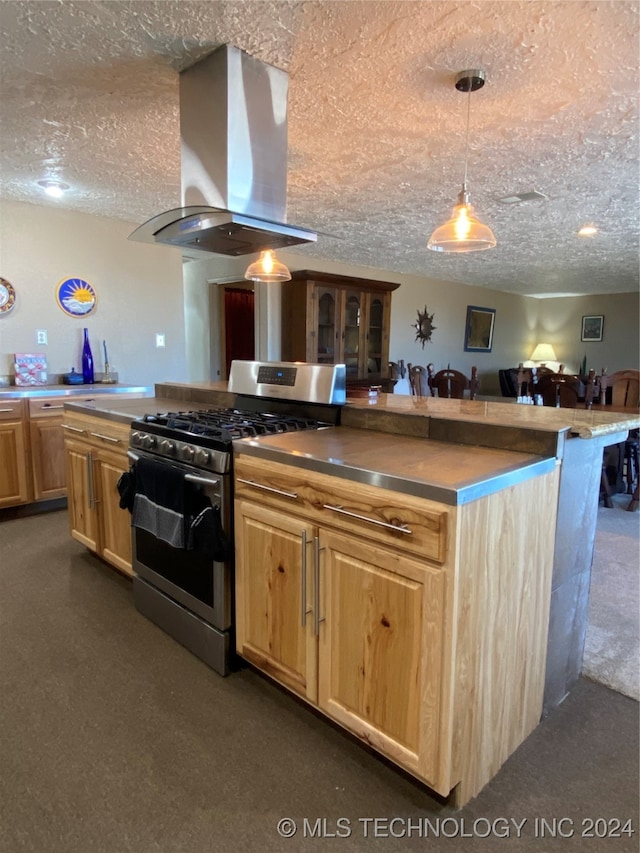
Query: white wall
<point x="139" y="290"/>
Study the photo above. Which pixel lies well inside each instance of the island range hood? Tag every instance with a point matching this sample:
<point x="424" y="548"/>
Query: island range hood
<point x="233" y="139"/>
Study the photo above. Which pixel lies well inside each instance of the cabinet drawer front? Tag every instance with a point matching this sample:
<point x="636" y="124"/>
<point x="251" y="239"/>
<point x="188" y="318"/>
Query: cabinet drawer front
<point x="401" y="521"/>
<point x="12" y="410"/>
<point x="98" y="432"/>
<point x="46" y="406"/>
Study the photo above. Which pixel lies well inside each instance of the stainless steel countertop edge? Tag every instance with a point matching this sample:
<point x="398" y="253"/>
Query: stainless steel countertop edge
<point x="451" y="496"/>
<point x="107" y="414"/>
<point x="98" y="389"/>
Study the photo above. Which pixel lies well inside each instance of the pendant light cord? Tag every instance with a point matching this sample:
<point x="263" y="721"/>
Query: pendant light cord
<point x="466" y="146"/>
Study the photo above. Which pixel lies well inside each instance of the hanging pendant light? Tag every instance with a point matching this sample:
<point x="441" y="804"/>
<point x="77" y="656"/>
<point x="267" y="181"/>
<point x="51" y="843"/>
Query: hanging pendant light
<point x="464" y="232"/>
<point x="267" y="269"/>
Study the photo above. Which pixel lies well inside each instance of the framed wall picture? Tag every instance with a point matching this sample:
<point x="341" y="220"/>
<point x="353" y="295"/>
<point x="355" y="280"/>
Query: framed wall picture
<point x="592" y="327"/>
<point x="478" y="335"/>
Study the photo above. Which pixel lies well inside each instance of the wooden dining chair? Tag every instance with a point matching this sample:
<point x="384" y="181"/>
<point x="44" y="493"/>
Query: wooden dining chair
<point x="625" y="388"/>
<point x="418" y="380"/>
<point x="560" y="390"/>
<point x="449" y="383"/>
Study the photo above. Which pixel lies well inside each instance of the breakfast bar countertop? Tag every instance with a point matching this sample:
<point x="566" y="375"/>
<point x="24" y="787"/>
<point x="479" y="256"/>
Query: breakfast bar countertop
<point x="582" y="423"/>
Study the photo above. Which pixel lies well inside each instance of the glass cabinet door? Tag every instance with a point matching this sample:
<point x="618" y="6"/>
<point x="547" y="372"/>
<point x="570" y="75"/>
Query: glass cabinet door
<point x="352" y="321"/>
<point x="327" y="326"/>
<point x="375" y="331"/>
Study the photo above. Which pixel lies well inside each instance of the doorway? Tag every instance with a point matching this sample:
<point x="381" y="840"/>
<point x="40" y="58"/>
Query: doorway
<point x="239" y="324"/>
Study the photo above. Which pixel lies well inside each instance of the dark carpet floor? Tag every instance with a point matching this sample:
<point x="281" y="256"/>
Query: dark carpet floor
<point x="114" y="738"/>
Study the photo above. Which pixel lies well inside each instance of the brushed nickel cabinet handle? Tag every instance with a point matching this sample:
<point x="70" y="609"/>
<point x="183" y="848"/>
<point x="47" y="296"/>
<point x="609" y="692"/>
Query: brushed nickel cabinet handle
<point x="317" y="619"/>
<point x="303" y="608"/>
<point x="268" y="488"/>
<point x="90" y="481"/>
<point x="51" y="406"/>
<point x="8" y="410"/>
<point x="399" y="528"/>
<point x="107" y="438"/>
<point x="73" y="429"/>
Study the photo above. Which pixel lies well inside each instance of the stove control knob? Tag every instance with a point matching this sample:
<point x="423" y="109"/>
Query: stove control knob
<point x="202" y="457"/>
<point x="188" y="453"/>
<point x="135" y="438"/>
<point x="149" y="442"/>
<point x="167" y="447"/>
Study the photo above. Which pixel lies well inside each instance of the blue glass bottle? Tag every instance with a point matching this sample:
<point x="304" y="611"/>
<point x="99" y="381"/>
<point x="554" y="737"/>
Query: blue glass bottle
<point x="87" y="360"/>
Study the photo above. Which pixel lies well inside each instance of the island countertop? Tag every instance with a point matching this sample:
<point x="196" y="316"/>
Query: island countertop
<point x="437" y="470"/>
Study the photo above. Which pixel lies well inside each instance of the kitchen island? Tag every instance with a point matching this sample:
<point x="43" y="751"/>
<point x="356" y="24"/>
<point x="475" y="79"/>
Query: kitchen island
<point x="435" y="592"/>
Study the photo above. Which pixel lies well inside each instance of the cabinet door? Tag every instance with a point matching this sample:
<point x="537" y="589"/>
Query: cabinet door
<point x="274" y="618"/>
<point x="377" y="335"/>
<point x="380" y="654"/>
<point x="353" y="334"/>
<point x="81" y="494"/>
<point x="115" y="523"/>
<point x="14" y="480"/>
<point x="47" y="457"/>
<point x="326" y="331"/>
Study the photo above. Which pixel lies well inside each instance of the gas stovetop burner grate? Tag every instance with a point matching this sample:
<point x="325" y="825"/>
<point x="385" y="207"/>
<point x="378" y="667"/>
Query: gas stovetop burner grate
<point x="229" y="424"/>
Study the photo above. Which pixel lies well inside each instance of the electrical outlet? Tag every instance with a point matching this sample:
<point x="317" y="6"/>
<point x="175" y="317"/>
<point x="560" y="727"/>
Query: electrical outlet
<point x="159" y="339"/>
<point x="41" y="336"/>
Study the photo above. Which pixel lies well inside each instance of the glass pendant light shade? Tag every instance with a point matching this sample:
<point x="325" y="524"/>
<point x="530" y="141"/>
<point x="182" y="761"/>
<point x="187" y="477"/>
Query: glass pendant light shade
<point x="267" y="269"/>
<point x="463" y="232"/>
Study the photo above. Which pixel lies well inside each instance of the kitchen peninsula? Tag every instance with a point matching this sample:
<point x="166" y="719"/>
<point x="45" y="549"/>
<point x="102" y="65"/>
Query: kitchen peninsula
<point x="441" y="593"/>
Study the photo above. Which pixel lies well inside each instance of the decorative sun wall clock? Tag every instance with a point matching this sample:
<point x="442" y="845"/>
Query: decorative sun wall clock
<point x="76" y="297"/>
<point x="424" y="327"/>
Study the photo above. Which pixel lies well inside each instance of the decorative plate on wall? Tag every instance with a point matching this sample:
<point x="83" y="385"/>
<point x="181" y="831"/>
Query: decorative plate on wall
<point x="7" y="296"/>
<point x="76" y="297"/>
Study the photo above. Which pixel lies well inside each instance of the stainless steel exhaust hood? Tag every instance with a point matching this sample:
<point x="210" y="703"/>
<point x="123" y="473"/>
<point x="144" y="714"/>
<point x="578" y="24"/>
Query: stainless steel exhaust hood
<point x="233" y="138"/>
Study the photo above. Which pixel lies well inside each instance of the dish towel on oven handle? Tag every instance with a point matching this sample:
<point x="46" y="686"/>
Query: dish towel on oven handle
<point x="159" y="503"/>
<point x="166" y="505"/>
<point x="206" y="534"/>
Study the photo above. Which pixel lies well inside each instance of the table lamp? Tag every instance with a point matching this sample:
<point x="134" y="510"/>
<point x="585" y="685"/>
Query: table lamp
<point x="543" y="353"/>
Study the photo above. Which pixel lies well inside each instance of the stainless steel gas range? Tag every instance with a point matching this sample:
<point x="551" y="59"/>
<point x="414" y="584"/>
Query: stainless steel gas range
<point x="181" y="486"/>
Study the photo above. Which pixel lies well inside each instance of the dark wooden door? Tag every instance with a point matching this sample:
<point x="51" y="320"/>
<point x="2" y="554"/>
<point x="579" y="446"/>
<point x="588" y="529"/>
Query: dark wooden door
<point x="239" y="325"/>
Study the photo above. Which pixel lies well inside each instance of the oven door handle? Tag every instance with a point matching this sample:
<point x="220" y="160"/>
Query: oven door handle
<point x="133" y="456"/>
<point x="193" y="478"/>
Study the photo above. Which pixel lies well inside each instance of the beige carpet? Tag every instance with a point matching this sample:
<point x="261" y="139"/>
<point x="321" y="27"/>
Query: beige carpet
<point x="612" y="647"/>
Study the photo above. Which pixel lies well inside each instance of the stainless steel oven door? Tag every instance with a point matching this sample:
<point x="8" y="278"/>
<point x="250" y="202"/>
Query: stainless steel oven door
<point x="198" y="583"/>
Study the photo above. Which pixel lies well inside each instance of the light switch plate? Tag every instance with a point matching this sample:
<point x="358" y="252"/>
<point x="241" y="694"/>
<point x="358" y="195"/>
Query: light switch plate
<point x="159" y="339"/>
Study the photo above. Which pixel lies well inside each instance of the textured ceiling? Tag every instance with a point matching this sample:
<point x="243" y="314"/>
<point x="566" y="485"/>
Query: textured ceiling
<point x="89" y="95"/>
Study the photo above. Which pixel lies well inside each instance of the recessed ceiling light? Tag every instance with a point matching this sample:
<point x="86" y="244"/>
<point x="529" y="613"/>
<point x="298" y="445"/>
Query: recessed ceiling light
<point x="54" y="188"/>
<point x="587" y="231"/>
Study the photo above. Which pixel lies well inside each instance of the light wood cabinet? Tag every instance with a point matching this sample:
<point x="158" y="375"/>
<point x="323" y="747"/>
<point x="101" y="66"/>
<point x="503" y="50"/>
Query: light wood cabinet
<point x="47" y="448"/>
<point x="96" y="456"/>
<point x="420" y="627"/>
<point x="332" y="319"/>
<point x="15" y="486"/>
<point x="32" y="457"/>
<point x="355" y="628"/>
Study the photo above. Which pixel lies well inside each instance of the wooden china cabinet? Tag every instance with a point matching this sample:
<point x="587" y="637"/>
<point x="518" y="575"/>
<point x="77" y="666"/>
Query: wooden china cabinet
<point x="335" y="319"/>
